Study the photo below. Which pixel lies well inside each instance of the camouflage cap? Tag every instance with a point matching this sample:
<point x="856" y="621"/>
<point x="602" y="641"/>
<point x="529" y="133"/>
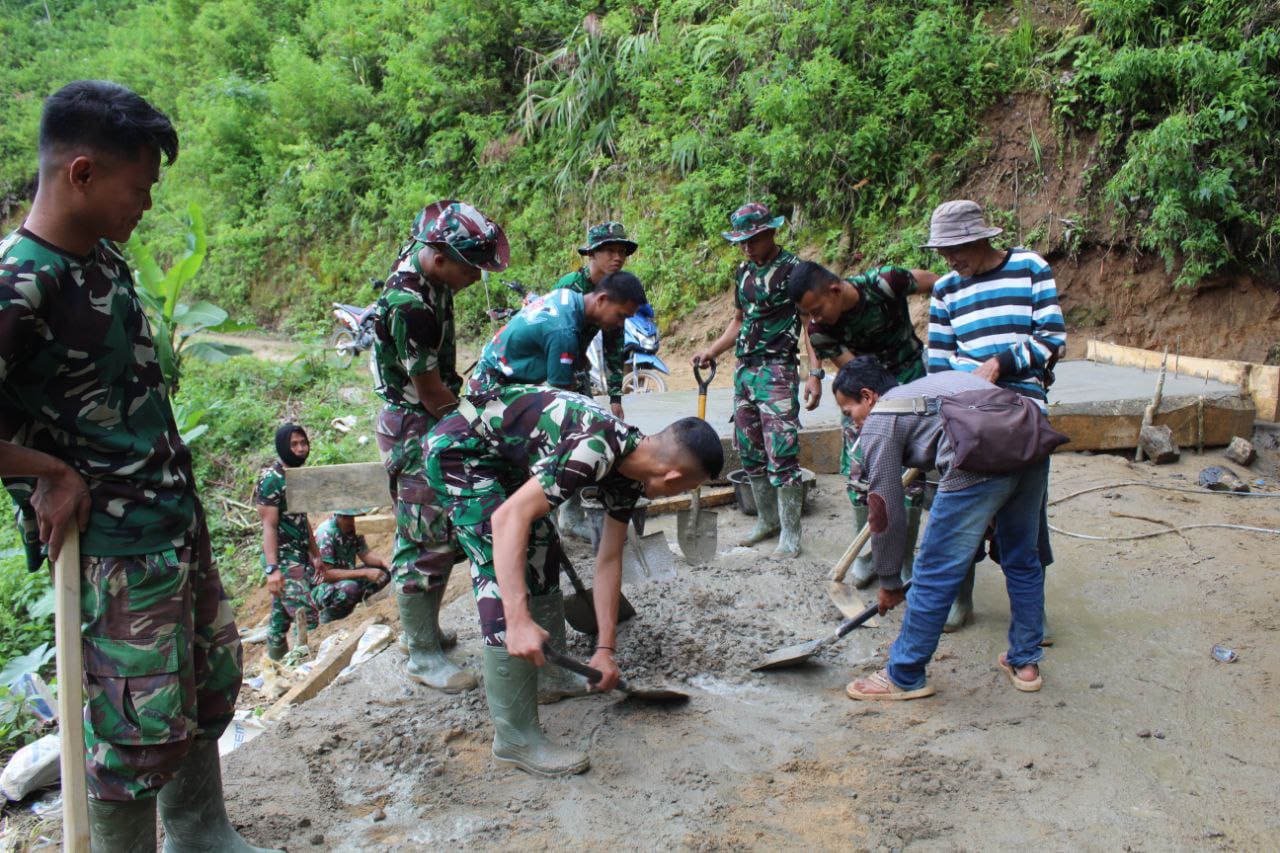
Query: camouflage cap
<point x="749" y="220"/>
<point x="353" y="512"/>
<point x="464" y="233"/>
<point x="605" y="233"/>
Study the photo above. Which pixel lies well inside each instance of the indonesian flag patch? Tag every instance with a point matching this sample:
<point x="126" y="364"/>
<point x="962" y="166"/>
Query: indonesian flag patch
<point x="566" y="358"/>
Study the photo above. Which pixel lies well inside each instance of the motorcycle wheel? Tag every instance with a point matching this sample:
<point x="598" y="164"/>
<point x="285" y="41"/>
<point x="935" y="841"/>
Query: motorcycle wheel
<point x="342" y="348"/>
<point x="643" y="382"/>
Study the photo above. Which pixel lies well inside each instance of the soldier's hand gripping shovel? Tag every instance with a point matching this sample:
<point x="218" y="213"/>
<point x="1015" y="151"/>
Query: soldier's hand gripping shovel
<point x="696" y="528"/>
<point x="580" y="608"/>
<point x="801" y="652"/>
<point x="657" y="695"/>
<point x="843" y="596"/>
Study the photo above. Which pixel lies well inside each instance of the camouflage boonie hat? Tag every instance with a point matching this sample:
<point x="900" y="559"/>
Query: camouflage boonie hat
<point x="465" y="234"/>
<point x="353" y="512"/>
<point x="605" y="233"/>
<point x="749" y="220"/>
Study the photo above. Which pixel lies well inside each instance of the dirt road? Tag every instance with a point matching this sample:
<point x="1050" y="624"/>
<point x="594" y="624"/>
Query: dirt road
<point x="1138" y="740"/>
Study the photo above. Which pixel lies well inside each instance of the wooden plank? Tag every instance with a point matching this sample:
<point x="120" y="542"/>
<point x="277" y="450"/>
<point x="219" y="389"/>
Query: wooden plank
<point x="374" y="525"/>
<point x="320" y="677"/>
<point x="1261" y="382"/>
<point x="718" y="496"/>
<point x="324" y="488"/>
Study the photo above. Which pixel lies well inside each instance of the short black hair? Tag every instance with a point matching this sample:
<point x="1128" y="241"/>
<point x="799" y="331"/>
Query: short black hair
<point x="808" y="276"/>
<point x="105" y="117"/>
<point x="698" y="438"/>
<point x="623" y="287"/>
<point x="865" y="371"/>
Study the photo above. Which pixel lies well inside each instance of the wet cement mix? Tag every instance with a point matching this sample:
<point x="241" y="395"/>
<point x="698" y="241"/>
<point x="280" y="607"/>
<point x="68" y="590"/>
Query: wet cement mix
<point x="1138" y="738"/>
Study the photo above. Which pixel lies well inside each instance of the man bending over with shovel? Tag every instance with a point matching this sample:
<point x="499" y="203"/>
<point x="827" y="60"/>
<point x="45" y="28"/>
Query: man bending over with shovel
<point x="894" y="436"/>
<point x="499" y="465"/>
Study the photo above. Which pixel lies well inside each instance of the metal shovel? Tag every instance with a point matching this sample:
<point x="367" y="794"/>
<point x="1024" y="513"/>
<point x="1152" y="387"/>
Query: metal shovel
<point x="657" y="695"/>
<point x="647" y="558"/>
<point x="801" y="652"/>
<point x="843" y="596"/>
<point x="696" y="529"/>
<point x="580" y="607"/>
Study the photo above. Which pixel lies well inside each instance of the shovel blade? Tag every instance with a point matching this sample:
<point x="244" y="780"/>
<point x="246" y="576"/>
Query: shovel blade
<point x="846" y="599"/>
<point x="698" y="535"/>
<point x="656" y="696"/>
<point x="580" y="612"/>
<point x="648" y="558"/>
<point x="789" y="656"/>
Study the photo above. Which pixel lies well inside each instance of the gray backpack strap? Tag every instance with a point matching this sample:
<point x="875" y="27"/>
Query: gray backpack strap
<point x="906" y="406"/>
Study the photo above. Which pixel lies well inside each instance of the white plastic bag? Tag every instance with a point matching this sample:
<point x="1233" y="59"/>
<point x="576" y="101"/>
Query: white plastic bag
<point x="31" y="768"/>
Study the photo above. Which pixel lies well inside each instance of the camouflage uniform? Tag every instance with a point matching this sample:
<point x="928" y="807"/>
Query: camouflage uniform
<point x="881" y="326"/>
<point x="538" y="346"/>
<point x="293" y="554"/>
<point x="766" y="405"/>
<point x="413" y="334"/>
<point x="79" y="380"/>
<point x="614" y="359"/>
<point x="481" y="454"/>
<point x="342" y="551"/>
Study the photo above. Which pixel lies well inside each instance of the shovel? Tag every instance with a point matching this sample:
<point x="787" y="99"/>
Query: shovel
<point x="70" y="668"/>
<point x="580" y="608"/>
<point x="843" y="596"/>
<point x="801" y="652"/>
<point x="647" y="558"/>
<point x="657" y="695"/>
<point x="696" y="530"/>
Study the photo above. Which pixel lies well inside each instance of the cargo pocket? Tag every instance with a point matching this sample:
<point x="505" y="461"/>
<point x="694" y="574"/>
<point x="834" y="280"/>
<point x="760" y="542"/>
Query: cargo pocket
<point x="134" y="689"/>
<point x="414" y="490"/>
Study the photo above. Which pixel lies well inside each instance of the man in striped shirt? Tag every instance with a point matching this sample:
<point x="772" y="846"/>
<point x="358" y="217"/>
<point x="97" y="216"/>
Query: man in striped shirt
<point x="995" y="315"/>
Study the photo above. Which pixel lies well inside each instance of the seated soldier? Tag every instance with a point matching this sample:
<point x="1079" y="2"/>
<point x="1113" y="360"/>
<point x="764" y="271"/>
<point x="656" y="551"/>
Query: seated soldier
<point x="343" y="583"/>
<point x="499" y="465"/>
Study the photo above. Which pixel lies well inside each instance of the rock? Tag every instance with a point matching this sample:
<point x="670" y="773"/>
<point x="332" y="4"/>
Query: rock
<point x="1240" y="452"/>
<point x="1158" y="445"/>
<point x="379" y="816"/>
<point x="304" y="823"/>
<point x="1145" y="733"/>
<point x="1219" y="478"/>
<point x="317" y="839"/>
<point x="1097" y="685"/>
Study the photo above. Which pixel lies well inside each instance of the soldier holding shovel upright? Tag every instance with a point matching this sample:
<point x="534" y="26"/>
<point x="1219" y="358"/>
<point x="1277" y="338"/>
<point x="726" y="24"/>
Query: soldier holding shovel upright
<point x="86" y="416"/>
<point x="499" y="466"/>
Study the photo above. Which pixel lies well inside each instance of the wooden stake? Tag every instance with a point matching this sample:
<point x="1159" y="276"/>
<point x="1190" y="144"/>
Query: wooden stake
<point x="1149" y="414"/>
<point x="66" y="621"/>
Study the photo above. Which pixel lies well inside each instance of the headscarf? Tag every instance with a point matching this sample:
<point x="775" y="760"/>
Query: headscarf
<point x="287" y="456"/>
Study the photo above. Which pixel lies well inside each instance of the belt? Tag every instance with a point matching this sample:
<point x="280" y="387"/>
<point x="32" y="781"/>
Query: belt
<point x="761" y="360"/>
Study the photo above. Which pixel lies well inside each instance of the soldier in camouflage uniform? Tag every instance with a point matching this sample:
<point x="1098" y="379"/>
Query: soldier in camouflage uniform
<point x="765" y="331"/>
<point x="414" y="360"/>
<point x="85" y="417"/>
<point x="864" y="314"/>
<point x="499" y="465"/>
<point x="344" y="585"/>
<point x="290" y="558"/>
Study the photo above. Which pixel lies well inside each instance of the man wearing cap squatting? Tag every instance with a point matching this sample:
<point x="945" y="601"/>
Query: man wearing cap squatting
<point x="414" y="360"/>
<point x="606" y="251"/>
<point x="765" y="330"/>
<point x="344" y="584"/>
<point x="995" y="315"/>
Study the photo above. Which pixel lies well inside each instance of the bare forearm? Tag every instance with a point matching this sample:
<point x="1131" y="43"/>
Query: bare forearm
<point x="271" y="543"/>
<point x="19" y="461"/>
<point x="510" y="544"/>
<point x="374" y="561"/>
<point x="435" y="396"/>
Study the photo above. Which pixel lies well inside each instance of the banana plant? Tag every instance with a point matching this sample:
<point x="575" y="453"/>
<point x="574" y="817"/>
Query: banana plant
<point x="173" y="322"/>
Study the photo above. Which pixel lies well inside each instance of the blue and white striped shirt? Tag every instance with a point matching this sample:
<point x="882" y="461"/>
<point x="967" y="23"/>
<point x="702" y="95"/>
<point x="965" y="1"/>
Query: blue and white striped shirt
<point x="1010" y="313"/>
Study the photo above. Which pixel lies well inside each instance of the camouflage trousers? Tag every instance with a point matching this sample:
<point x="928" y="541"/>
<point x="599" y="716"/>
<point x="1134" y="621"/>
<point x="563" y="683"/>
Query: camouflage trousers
<point x="162" y="663"/>
<point x="341" y="597"/>
<point x="766" y="420"/>
<point x="851" y="467"/>
<point x="424" y="551"/>
<point x="297" y="597"/>
<point x="470" y="493"/>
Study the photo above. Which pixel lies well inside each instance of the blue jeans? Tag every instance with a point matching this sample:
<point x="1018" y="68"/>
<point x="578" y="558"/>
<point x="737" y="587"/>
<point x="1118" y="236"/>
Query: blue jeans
<point x="957" y="523"/>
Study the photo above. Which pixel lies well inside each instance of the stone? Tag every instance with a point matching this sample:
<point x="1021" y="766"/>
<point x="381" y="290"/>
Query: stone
<point x="1219" y="478"/>
<point x="1158" y="445"/>
<point x="1240" y="452"/>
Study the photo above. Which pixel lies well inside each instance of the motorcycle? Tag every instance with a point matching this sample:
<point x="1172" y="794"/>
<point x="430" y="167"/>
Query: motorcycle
<point x="354" y="332"/>
<point x="640" y="351"/>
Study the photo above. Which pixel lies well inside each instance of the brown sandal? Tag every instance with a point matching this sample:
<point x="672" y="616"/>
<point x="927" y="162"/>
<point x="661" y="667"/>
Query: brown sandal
<point x="1020" y="683"/>
<point x="893" y="693"/>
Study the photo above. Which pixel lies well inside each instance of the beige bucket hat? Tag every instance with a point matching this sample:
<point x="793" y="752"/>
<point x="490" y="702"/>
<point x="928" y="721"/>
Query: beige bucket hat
<point x="955" y="223"/>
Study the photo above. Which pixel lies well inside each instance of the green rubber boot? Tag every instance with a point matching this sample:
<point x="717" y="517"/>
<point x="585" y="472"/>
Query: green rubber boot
<point x="511" y="685"/>
<point x="554" y="682"/>
<point x="962" y="608"/>
<point x="790" y="504"/>
<point x="276" y="651"/>
<point x="913" y="531"/>
<point x="767" y="525"/>
<point x="192" y="810"/>
<point x="116" y="826"/>
<point x="864" y="567"/>
<point x="419" y="620"/>
<point x="448" y="639"/>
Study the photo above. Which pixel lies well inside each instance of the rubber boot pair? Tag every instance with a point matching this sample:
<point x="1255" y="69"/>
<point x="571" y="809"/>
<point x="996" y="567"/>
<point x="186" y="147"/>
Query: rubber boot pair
<point x="511" y="686"/>
<point x="864" y="568"/>
<point x="191" y="808"/>
<point x="767" y="524"/>
<point x="420" y="622"/>
<point x="554" y="682"/>
<point x="790" y="505"/>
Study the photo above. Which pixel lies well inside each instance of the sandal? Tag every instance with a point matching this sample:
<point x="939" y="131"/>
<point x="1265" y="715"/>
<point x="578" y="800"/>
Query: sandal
<point x="892" y="692"/>
<point x="1020" y="683"/>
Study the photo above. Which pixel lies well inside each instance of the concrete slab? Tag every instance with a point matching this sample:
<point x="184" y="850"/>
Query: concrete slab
<point x="1081" y="381"/>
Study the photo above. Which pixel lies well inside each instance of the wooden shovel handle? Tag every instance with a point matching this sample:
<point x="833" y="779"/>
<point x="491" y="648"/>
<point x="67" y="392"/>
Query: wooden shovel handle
<point x="841" y="567"/>
<point x="75" y="802"/>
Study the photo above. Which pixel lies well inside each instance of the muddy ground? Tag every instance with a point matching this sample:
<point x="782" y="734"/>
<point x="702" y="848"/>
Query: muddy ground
<point x="1139" y="740"/>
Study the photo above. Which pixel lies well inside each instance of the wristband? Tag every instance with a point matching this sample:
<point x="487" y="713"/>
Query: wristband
<point x="818" y="374"/>
<point x="607" y="648"/>
<point x="271" y="567"/>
